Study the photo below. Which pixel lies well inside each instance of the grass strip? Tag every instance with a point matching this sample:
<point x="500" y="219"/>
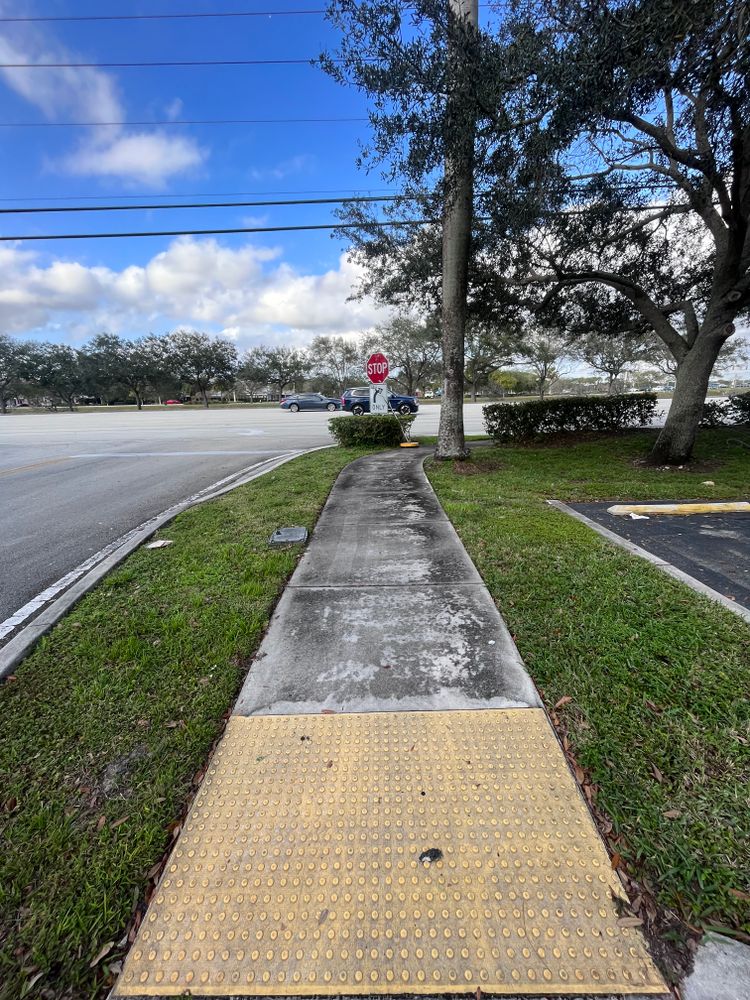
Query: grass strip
<point x="109" y="719"/>
<point x="657" y="676"/>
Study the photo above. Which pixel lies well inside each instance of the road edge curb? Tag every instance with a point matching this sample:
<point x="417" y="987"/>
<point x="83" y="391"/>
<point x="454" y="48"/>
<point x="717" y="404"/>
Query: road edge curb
<point x="18" y="648"/>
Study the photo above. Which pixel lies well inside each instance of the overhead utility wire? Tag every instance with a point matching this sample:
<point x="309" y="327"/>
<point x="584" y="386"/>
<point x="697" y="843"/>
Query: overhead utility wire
<point x="162" y="17"/>
<point x="276" y="229"/>
<point x="203" y="204"/>
<point x="160" y="206"/>
<point x="200" y="194"/>
<point x="165" y="62"/>
<point x="193" y="121"/>
<point x="169" y="17"/>
<point x="211" y="232"/>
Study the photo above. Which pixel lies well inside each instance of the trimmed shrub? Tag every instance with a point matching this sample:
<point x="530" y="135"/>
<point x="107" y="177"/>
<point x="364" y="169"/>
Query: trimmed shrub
<point x="369" y="428"/>
<point x="542" y="417"/>
<point x="731" y="412"/>
<point x="716" y="413"/>
<point x="740" y="405"/>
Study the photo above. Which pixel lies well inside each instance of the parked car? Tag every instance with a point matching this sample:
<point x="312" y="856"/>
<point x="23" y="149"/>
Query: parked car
<point x="173" y="402"/>
<point x="309" y="401"/>
<point x="357" y="400"/>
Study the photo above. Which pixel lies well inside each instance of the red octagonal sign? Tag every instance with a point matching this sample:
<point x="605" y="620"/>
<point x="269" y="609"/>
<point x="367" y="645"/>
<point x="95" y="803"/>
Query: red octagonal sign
<point x="377" y="368"/>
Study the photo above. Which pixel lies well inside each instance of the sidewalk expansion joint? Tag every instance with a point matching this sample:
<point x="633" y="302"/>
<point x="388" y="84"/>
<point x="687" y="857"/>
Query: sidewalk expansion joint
<point x="388" y="854"/>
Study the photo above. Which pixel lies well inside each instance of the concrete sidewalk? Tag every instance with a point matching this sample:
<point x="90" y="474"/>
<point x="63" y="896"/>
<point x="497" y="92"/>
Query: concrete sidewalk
<point x="389" y="812"/>
<point x="386" y="611"/>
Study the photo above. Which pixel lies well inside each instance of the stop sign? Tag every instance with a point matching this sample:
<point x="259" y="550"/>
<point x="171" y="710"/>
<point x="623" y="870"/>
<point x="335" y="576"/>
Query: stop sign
<point x="377" y="368"/>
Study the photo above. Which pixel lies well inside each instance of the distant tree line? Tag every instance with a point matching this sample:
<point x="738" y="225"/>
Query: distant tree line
<point x="524" y="358"/>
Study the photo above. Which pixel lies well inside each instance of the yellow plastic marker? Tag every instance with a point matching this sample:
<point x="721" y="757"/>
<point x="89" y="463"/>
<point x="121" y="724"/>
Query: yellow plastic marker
<point x="739" y="507"/>
<point x="388" y="853"/>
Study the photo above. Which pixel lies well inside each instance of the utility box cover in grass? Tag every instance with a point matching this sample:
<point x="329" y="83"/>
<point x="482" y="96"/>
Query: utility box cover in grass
<point x="288" y="536"/>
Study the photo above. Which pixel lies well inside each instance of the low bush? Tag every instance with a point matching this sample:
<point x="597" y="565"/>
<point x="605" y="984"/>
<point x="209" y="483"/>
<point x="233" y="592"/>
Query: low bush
<point x="740" y="404"/>
<point x="542" y="417"/>
<point x="731" y="412"/>
<point x="370" y="428"/>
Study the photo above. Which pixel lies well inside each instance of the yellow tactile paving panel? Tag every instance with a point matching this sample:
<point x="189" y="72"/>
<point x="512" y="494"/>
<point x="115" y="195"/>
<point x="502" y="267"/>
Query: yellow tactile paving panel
<point x="298" y="870"/>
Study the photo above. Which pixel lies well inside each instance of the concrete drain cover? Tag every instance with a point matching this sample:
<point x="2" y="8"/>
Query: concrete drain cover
<point x="396" y="853"/>
<point x="288" y="536"/>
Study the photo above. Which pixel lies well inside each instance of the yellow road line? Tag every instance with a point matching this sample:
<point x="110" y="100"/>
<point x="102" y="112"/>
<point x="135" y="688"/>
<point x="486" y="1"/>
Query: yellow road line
<point x="738" y="507"/>
<point x="34" y="465"/>
<point x="388" y="853"/>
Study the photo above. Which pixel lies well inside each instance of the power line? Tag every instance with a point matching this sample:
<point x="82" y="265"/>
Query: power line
<point x="161" y="17"/>
<point x="202" y="204"/>
<point x="165" y="62"/>
<point x="195" y="121"/>
<point x="289" y="229"/>
<point x="172" y="17"/>
<point x="215" y="232"/>
<point x="199" y="194"/>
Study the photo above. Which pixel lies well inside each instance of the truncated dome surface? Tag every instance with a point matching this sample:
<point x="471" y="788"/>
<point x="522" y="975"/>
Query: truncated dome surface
<point x="298" y="870"/>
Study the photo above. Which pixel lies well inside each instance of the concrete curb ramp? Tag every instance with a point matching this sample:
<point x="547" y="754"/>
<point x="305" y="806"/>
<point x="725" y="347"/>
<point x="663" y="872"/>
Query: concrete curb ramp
<point x="389" y="811"/>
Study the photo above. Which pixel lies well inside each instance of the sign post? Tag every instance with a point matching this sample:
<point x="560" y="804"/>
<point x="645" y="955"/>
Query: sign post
<point x="377" y="369"/>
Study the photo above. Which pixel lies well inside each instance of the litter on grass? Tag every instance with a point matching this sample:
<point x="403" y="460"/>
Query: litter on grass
<point x="161" y="544"/>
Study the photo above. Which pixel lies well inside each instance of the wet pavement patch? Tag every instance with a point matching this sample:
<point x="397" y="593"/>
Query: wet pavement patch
<point x="713" y="548"/>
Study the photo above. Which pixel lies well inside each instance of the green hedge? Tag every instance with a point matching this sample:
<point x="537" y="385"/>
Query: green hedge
<point x="370" y="428"/>
<point x="731" y="412"/>
<point x="539" y="418"/>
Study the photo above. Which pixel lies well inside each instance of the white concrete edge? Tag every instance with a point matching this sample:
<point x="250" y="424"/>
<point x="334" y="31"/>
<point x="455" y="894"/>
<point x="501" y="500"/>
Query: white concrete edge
<point x="662" y="564"/>
<point x="98" y="565"/>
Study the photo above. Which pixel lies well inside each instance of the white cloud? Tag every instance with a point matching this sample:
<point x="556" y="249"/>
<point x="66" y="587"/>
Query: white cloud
<point x="89" y="94"/>
<point x="148" y="157"/>
<point x="247" y="293"/>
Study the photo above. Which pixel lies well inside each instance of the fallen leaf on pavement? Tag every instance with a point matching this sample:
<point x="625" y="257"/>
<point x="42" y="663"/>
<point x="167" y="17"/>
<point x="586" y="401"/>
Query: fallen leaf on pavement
<point x="104" y="950"/>
<point x="327" y="711"/>
<point x="629" y="922"/>
<point x="329" y="763"/>
<point x="616" y="861"/>
<point x="563" y="701"/>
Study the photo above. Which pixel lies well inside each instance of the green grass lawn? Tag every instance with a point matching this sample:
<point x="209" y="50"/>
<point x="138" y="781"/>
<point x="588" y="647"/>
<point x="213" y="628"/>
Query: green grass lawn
<point x="657" y="676"/>
<point x="108" y="721"/>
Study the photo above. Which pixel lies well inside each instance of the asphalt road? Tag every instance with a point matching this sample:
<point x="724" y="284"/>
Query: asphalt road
<point x="713" y="548"/>
<point x="70" y="483"/>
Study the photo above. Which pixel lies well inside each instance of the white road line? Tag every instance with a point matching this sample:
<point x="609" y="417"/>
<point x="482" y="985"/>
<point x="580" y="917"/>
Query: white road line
<point x="38" y="602"/>
<point x="170" y="454"/>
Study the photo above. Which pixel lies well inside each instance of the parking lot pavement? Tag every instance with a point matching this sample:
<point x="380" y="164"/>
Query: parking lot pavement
<point x="713" y="548"/>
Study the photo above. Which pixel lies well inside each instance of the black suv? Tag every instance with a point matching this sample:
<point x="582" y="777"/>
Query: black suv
<point x="357" y="400"/>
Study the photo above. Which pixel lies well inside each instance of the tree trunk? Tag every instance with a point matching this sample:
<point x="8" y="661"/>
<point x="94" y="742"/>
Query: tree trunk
<point x="474" y="390"/>
<point x="204" y="393"/>
<point x="138" y="400"/>
<point x="3" y="404"/>
<point x="457" y="218"/>
<point x="674" y="445"/>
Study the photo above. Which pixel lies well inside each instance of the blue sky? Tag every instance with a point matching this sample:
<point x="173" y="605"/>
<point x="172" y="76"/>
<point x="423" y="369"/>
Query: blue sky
<point x="260" y="287"/>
